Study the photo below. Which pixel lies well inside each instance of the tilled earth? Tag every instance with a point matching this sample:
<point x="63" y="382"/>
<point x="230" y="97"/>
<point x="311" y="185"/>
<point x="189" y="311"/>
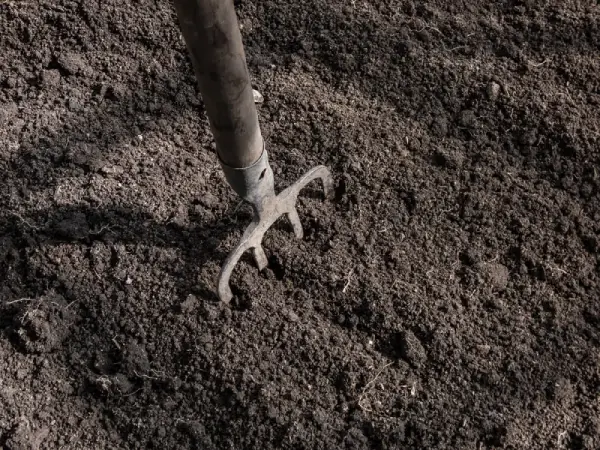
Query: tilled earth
<point x="448" y="298"/>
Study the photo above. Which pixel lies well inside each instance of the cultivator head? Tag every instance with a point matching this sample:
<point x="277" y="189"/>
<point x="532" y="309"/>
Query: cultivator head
<point x="257" y="182"/>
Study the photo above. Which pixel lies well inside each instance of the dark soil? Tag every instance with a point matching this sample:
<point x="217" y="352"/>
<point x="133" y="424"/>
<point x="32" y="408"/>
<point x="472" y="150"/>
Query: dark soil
<point x="448" y="298"/>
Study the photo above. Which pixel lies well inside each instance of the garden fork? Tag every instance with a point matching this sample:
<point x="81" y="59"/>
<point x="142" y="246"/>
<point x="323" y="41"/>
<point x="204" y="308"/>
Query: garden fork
<point x="213" y="39"/>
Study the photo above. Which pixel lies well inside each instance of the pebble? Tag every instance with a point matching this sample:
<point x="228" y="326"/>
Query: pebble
<point x="493" y="90"/>
<point x="71" y="63"/>
<point x="411" y="349"/>
<point x="111" y="169"/>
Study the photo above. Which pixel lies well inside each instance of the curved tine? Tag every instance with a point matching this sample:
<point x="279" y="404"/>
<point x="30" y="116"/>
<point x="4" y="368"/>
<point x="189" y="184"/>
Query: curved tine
<point x="260" y="257"/>
<point x="321" y="172"/>
<point x="247" y="241"/>
<point x="223" y="288"/>
<point x="294" y="219"/>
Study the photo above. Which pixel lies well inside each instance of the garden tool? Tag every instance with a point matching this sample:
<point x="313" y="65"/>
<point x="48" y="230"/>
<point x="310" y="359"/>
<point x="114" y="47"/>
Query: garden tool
<point x="212" y="35"/>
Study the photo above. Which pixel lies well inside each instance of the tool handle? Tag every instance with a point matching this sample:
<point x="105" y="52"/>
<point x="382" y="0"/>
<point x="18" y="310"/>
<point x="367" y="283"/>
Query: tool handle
<point x="212" y="35"/>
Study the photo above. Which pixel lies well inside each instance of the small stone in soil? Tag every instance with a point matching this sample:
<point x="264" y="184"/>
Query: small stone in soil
<point x="493" y="90"/>
<point x="71" y="63"/>
<point x="111" y="169"/>
<point x="411" y="349"/>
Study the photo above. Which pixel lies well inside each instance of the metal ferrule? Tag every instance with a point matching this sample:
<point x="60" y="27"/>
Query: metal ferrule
<point x="252" y="183"/>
